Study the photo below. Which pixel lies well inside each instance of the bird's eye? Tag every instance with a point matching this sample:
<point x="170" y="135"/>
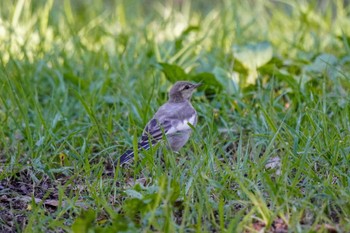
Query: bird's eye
<point x="187" y="87"/>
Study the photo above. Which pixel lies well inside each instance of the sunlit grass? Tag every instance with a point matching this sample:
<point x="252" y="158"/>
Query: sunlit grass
<point x="80" y="79"/>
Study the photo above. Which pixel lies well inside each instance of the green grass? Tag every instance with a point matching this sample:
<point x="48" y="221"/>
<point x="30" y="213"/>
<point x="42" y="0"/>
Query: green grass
<point x="80" y="79"/>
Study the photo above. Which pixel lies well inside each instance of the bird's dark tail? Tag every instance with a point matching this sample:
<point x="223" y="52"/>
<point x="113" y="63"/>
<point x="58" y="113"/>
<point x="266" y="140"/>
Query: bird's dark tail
<point x="129" y="154"/>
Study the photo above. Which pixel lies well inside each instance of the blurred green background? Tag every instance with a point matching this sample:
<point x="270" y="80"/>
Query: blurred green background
<point x="80" y="79"/>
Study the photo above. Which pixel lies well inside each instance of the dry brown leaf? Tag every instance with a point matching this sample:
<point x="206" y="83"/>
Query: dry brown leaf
<point x="53" y="203"/>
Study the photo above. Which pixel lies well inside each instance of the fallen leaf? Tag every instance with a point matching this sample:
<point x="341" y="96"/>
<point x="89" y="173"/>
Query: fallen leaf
<point x="54" y="203"/>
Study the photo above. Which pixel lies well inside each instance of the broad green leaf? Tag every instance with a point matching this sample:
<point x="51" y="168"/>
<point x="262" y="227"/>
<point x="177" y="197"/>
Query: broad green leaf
<point x="210" y="84"/>
<point x="252" y="76"/>
<point x="230" y="81"/>
<point x="173" y="72"/>
<point x="208" y="79"/>
<point x="323" y="63"/>
<point x="133" y="194"/>
<point x="253" y="56"/>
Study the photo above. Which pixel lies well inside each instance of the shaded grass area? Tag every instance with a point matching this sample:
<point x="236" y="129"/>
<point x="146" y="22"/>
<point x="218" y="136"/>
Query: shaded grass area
<point x="78" y="81"/>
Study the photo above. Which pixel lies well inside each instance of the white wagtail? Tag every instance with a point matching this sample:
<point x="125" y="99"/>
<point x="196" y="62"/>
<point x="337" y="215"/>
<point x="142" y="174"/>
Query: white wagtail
<point x="173" y="120"/>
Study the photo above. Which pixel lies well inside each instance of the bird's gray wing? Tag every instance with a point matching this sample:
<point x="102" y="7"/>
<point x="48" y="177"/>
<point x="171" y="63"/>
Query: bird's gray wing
<point x="151" y="135"/>
<point x="169" y="119"/>
<point x="154" y="131"/>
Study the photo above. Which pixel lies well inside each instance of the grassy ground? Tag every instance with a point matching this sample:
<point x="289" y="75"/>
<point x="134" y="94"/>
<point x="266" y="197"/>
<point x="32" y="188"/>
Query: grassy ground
<point x="80" y="79"/>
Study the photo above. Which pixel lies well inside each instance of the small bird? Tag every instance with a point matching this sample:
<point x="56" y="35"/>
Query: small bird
<point x="173" y="120"/>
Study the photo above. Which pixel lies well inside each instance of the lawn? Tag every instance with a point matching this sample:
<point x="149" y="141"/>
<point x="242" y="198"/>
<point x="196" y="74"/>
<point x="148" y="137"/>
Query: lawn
<point x="80" y="79"/>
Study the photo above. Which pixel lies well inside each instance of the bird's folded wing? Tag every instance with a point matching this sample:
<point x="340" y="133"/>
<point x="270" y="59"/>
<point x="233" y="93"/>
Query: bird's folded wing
<point x="151" y="135"/>
<point x="154" y="131"/>
<point x="128" y="155"/>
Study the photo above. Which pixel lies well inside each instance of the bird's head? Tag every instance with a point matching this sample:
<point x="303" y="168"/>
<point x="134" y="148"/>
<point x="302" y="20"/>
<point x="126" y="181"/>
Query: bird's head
<point x="182" y="91"/>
